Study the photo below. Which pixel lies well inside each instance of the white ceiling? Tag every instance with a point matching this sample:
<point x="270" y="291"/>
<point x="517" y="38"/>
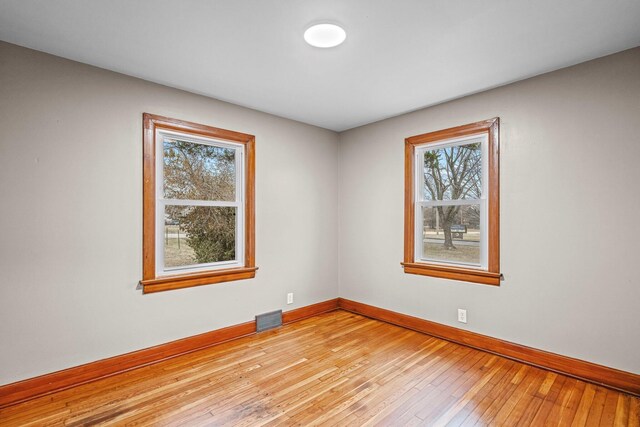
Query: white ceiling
<point x="399" y="55"/>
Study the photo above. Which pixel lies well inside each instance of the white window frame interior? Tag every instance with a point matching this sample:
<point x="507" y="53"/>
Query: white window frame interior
<point x="161" y="202"/>
<point x="420" y="201"/>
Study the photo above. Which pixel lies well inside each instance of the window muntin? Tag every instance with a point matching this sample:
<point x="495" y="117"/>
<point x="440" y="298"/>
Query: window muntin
<point x="198" y="180"/>
<point x="450" y="193"/>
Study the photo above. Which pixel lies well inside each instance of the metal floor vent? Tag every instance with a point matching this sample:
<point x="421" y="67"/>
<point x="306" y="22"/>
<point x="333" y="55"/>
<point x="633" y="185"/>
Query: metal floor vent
<point x="268" y="320"/>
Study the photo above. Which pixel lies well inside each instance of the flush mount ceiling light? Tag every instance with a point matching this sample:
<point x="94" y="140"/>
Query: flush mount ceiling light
<point x="325" y="35"/>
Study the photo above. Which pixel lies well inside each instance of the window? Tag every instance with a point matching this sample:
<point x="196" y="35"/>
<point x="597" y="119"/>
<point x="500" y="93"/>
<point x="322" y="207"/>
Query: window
<point x="198" y="205"/>
<point x="452" y="203"/>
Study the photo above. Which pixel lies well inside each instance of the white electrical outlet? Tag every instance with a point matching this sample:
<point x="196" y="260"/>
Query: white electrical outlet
<point x="462" y="315"/>
<point x="290" y="298"/>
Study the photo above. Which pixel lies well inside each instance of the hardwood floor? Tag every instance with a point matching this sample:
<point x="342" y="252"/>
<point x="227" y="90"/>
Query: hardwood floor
<point x="338" y="369"/>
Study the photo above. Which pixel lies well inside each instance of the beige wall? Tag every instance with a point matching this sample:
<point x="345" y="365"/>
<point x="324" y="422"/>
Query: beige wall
<point x="70" y="221"/>
<point x="570" y="214"/>
<point x="70" y="216"/>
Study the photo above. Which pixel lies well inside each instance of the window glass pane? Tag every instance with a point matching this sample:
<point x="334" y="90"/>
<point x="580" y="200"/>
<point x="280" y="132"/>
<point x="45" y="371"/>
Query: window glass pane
<point x="199" y="235"/>
<point x="451" y="233"/>
<point x="452" y="173"/>
<point x="198" y="171"/>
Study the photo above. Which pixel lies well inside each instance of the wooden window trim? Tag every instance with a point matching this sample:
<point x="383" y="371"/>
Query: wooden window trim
<point x="150" y="281"/>
<point x="490" y="276"/>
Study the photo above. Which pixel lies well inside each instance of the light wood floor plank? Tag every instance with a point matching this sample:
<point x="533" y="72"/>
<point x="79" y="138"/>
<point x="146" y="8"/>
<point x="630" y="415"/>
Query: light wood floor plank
<point x="336" y="369"/>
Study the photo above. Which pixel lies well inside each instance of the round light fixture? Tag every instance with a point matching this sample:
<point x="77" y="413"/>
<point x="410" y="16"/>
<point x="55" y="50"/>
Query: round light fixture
<point x="325" y="35"/>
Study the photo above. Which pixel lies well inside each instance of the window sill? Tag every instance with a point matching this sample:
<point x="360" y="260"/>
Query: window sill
<point x="167" y="283"/>
<point x="453" y="273"/>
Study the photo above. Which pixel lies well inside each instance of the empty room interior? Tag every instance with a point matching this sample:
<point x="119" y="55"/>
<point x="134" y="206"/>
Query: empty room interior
<point x="339" y="212"/>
